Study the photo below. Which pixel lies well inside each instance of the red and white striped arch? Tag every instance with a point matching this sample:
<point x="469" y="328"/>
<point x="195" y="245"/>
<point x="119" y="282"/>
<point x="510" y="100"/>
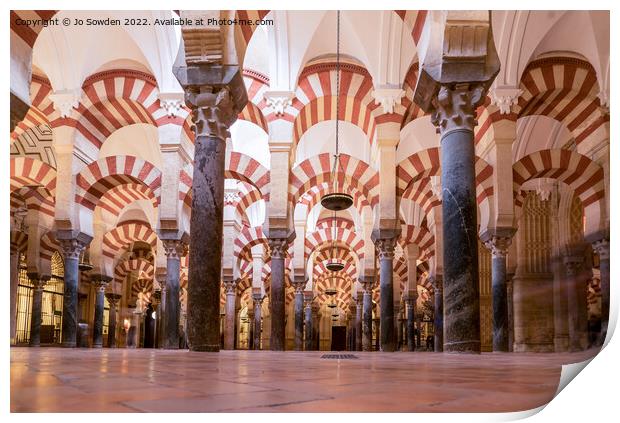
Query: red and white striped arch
<point x="343" y="284"/>
<point x="315" y="98"/>
<point x="38" y="199"/>
<point x="565" y="89"/>
<point x="344" y="236"/>
<point x="99" y="177"/>
<point x="244" y="31"/>
<point x="248" y="237"/>
<point x="248" y="195"/>
<point x="143" y="267"/>
<point x="40" y="111"/>
<point x="20" y="241"/>
<point x="422" y="237"/>
<point x="411" y="110"/>
<point x="414" y="19"/>
<point x="312" y="197"/>
<point x="583" y="175"/>
<point x="256" y="85"/>
<point x="142" y="285"/>
<point x="119" y="197"/>
<point x="317" y="170"/>
<point x="49" y="245"/>
<point x="27" y="172"/>
<point x="119" y="238"/>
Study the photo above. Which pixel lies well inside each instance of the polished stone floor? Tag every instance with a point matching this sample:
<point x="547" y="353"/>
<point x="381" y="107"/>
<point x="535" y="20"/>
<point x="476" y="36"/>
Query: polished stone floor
<point x="122" y="380"/>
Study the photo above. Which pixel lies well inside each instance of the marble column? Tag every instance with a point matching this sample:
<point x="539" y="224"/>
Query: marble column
<point x="257" y="297"/>
<point x="71" y="249"/>
<point x="367" y="283"/>
<point x="359" y="304"/>
<point x="602" y="248"/>
<point x="216" y="95"/>
<point x="411" y="303"/>
<point x="229" y="324"/>
<point x="277" y="301"/>
<point x="174" y="250"/>
<point x="385" y="247"/>
<point x="577" y="303"/>
<point x="14" y="263"/>
<point x="308" y="324"/>
<point x="438" y="313"/>
<point x="100" y="282"/>
<point x="511" y="319"/>
<point x="299" y="286"/>
<point x="156" y="303"/>
<point x="113" y="300"/>
<point x="398" y="327"/>
<point x="316" y="321"/>
<point x="499" y="246"/>
<point x="454" y="115"/>
<point x="38" y="283"/>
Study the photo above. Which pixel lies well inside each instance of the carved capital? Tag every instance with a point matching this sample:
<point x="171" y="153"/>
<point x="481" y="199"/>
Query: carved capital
<point x="367" y="285"/>
<point x="437" y="283"/>
<point x="257" y="298"/>
<point x="174" y="248"/>
<point x="213" y="110"/>
<point x="385" y="247"/>
<point x="455" y="106"/>
<point x="230" y="286"/>
<point x="299" y="286"/>
<point x="172" y="103"/>
<point x="38" y="282"/>
<point x="71" y="248"/>
<point x="505" y="98"/>
<point x="602" y="248"/>
<point x="573" y="265"/>
<point x="278" y="247"/>
<point x="65" y="101"/>
<point x="388" y="98"/>
<point x="278" y="101"/>
<point x="100" y="282"/>
<point x="498" y="245"/>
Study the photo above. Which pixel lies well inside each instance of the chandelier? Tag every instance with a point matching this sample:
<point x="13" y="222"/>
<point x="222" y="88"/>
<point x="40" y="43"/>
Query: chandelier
<point x="337" y="199"/>
<point x="334" y="264"/>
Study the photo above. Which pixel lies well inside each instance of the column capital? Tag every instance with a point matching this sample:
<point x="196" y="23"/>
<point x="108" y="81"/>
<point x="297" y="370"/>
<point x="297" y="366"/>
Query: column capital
<point x="38" y="281"/>
<point x="454" y="108"/>
<point x="498" y="240"/>
<point x="573" y="264"/>
<point x="299" y="285"/>
<point x="367" y="283"/>
<point x="385" y="247"/>
<point x="278" y="101"/>
<point x="230" y="286"/>
<point x="278" y="247"/>
<point x="437" y="282"/>
<point x="113" y="299"/>
<point x="505" y="98"/>
<point x="72" y="248"/>
<point x="174" y="248"/>
<point x="602" y="248"/>
<point x="100" y="281"/>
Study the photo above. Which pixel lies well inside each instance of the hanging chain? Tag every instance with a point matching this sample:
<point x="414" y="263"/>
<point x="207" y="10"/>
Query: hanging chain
<point x="337" y="78"/>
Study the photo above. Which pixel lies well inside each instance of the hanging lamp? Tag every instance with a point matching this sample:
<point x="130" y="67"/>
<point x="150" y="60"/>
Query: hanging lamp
<point x="337" y="199"/>
<point x="334" y="264"/>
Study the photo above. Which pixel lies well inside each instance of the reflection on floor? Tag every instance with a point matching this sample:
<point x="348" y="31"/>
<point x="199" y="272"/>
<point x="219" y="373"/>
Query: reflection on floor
<point x="121" y="380"/>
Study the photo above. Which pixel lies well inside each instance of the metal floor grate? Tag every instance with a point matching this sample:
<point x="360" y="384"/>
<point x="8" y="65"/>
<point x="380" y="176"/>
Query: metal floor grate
<point x="340" y="356"/>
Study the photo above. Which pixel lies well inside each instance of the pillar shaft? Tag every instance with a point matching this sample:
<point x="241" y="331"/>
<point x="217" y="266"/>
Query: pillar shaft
<point x="113" y="300"/>
<point x="71" y="251"/>
<point x="367" y="317"/>
<point x="308" y="326"/>
<point x="411" y="323"/>
<point x="299" y="315"/>
<point x="174" y="250"/>
<point x="215" y="108"/>
<point x="438" y="314"/>
<point x="560" y="306"/>
<point x="229" y="324"/>
<point x="14" y="282"/>
<point x="499" y="290"/>
<point x="258" y="300"/>
<point x="577" y="304"/>
<point x="35" y="319"/>
<point x="386" y="294"/>
<point x="359" y="302"/>
<point x="277" y="301"/>
<point x="454" y="115"/>
<point x="602" y="248"/>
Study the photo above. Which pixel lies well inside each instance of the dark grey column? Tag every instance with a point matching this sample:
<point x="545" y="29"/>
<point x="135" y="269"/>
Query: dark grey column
<point x="257" y="297"/>
<point x="602" y="248"/>
<point x="299" y="286"/>
<point x="398" y="327"/>
<point x="14" y="263"/>
<point x="229" y="322"/>
<point x="37" y="298"/>
<point x="308" y="324"/>
<point x="162" y="276"/>
<point x="577" y="302"/>
<point x="216" y="95"/>
<point x="367" y="283"/>
<point x="277" y="301"/>
<point x="359" y="304"/>
<point x="113" y="300"/>
<point x="511" y="320"/>
<point x="174" y="250"/>
<point x="71" y="248"/>
<point x="316" y="321"/>
<point x="100" y="282"/>
<point x="410" y="301"/>
<point x="498" y="243"/>
<point x="455" y="116"/>
<point x="385" y="247"/>
<point x="438" y="313"/>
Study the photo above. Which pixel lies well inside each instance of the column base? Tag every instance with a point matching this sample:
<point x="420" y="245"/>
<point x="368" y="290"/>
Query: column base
<point x="205" y="348"/>
<point x="68" y="344"/>
<point x="467" y="347"/>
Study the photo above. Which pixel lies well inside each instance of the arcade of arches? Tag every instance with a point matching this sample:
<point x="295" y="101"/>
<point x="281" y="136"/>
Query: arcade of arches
<point x="168" y="195"/>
